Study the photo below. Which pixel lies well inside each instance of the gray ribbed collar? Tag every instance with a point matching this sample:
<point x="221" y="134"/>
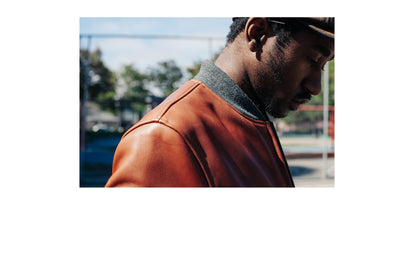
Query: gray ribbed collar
<point x="220" y="83"/>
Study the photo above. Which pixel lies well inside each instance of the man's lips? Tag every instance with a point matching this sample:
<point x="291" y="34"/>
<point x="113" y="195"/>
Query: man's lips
<point x="301" y="101"/>
<point x="298" y="102"/>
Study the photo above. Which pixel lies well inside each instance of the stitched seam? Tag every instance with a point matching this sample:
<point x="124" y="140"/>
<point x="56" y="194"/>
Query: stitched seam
<point x="163" y="112"/>
<point x="186" y="143"/>
<point x="192" y="150"/>
<point x="277" y="146"/>
<point x="179" y="98"/>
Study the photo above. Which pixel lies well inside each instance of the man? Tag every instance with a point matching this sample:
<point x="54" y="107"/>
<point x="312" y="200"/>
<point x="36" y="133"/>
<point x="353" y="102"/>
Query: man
<point x="214" y="130"/>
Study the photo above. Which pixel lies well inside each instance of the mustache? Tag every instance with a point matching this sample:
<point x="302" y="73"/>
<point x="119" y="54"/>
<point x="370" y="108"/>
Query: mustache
<point x="304" y="95"/>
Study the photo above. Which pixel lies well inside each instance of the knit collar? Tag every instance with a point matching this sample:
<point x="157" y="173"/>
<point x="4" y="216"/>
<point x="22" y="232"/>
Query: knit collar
<point x="221" y="84"/>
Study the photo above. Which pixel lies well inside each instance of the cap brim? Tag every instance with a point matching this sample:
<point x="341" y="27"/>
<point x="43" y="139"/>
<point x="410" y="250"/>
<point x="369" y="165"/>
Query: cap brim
<point x="321" y="31"/>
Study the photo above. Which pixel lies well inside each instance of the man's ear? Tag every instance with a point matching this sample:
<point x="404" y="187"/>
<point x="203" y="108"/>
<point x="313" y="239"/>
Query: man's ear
<point x="256" y="32"/>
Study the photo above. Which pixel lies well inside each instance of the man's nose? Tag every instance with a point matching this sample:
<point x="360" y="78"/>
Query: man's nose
<point x="313" y="83"/>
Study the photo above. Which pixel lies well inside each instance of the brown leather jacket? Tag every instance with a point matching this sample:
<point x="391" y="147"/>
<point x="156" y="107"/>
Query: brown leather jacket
<point x="196" y="138"/>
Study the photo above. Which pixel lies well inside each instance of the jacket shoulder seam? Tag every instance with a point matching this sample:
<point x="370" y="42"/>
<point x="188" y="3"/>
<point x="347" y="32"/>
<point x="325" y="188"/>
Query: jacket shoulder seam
<point x="162" y="113"/>
<point x="160" y="122"/>
<point x="183" y="95"/>
<point x="190" y="148"/>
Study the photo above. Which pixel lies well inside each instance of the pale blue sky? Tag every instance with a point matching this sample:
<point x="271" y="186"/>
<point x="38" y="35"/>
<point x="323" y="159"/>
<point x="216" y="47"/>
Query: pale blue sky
<point x="143" y="53"/>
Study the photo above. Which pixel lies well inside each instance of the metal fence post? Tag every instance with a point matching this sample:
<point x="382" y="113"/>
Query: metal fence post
<point x="84" y="109"/>
<point x="325" y="120"/>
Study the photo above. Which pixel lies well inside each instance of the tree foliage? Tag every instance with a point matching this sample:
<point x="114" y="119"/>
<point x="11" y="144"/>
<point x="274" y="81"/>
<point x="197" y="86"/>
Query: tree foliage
<point x="165" y="76"/>
<point x="194" y="69"/>
<point x="101" y="81"/>
<point x="135" y="83"/>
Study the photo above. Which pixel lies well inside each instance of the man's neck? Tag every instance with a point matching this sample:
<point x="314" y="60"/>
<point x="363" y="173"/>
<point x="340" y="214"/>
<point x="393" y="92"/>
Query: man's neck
<point x="231" y="61"/>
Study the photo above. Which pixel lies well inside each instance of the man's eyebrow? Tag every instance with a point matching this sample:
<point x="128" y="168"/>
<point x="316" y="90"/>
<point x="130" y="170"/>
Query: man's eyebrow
<point x="326" y="52"/>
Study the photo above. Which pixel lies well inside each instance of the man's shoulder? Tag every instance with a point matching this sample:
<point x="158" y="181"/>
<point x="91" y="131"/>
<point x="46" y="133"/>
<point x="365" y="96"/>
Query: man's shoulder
<point x="182" y="108"/>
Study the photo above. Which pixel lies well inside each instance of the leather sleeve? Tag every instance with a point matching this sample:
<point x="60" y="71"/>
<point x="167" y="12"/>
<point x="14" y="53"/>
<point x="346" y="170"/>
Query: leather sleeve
<point x="155" y="155"/>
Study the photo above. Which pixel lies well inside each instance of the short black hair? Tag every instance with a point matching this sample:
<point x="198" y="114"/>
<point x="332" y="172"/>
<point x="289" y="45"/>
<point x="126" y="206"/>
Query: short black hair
<point x="236" y="27"/>
<point x="284" y="31"/>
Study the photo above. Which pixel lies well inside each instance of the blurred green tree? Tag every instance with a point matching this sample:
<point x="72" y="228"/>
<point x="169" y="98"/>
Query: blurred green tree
<point x="101" y="80"/>
<point x="166" y="76"/>
<point x="135" y="83"/>
<point x="194" y="69"/>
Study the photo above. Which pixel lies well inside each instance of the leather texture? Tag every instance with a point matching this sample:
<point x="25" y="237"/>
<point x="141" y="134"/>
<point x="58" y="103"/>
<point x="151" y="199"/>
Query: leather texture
<point x="196" y="139"/>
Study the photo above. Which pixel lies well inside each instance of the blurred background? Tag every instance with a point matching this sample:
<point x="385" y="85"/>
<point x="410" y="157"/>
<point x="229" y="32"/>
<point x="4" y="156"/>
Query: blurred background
<point x="129" y="65"/>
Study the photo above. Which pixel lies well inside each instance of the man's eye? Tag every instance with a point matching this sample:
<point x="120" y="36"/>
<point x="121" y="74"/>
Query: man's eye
<point x="314" y="63"/>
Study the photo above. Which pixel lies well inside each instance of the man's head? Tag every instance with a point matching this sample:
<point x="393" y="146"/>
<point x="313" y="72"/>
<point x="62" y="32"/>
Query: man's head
<point x="282" y="59"/>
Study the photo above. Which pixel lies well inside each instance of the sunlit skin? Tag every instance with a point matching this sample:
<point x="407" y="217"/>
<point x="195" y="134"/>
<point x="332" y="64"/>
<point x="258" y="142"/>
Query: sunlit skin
<point x="277" y="82"/>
